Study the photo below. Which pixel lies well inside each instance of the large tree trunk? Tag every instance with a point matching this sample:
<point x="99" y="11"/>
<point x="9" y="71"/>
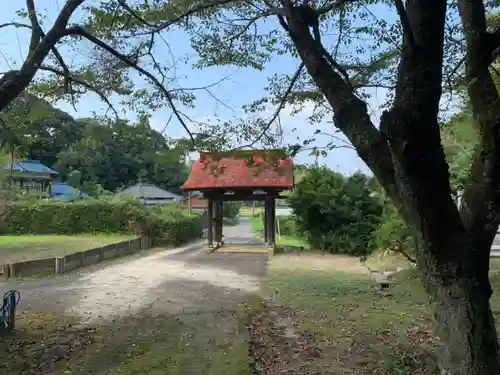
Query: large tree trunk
<point x="455" y="274"/>
<point x="465" y="325"/>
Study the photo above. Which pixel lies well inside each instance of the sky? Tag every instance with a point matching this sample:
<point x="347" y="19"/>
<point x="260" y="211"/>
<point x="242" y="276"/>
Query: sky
<point x="238" y="86"/>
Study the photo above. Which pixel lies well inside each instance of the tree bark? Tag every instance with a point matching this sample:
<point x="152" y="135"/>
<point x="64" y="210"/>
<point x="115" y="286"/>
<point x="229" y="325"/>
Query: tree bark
<point x="465" y="324"/>
<point x="407" y="158"/>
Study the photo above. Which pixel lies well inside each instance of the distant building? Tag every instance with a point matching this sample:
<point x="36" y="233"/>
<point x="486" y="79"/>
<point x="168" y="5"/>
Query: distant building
<point x="151" y="194"/>
<point x="32" y="176"/>
<point x="64" y="192"/>
<point x="198" y="201"/>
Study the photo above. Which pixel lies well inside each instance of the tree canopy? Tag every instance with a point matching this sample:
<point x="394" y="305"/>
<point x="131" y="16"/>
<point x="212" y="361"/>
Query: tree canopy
<point x="92" y="152"/>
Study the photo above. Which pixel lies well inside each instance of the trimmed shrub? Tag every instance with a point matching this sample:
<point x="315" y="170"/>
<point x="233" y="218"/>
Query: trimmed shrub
<point x="338" y="214"/>
<point x="170" y="225"/>
<point x="290" y="227"/>
<point x="231" y="209"/>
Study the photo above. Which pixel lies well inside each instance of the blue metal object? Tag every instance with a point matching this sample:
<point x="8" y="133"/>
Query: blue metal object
<point x="8" y="310"/>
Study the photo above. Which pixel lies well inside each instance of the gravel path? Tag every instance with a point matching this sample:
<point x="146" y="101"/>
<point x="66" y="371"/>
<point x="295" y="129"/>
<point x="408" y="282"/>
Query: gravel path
<point x="241" y="234"/>
<point x="184" y="280"/>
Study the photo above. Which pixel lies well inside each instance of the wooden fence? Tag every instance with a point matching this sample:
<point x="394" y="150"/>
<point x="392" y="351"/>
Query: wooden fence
<point x="70" y="262"/>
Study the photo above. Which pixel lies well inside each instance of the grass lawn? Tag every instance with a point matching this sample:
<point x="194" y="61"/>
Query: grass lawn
<point x="257" y="224"/>
<point x="190" y="344"/>
<point x="323" y="315"/>
<point x="247" y="211"/>
<point x="290" y="241"/>
<point x="19" y="248"/>
<point x="24" y="349"/>
<point x="331" y="301"/>
<point x="258" y="227"/>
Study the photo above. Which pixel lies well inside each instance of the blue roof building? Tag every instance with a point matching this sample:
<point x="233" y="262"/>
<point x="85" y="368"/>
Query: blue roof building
<point x="33" y="167"/>
<point x="32" y="176"/>
<point x="64" y="192"/>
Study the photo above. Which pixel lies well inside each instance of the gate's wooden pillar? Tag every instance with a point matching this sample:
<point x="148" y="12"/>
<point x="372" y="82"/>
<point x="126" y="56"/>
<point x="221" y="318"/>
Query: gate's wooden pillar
<point x="218" y="222"/>
<point x="210" y="219"/>
<point x="266" y="221"/>
<point x="272" y="220"/>
<point x="269" y="221"/>
<point x="221" y="224"/>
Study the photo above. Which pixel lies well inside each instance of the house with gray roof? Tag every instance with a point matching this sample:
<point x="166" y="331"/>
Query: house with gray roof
<point x="150" y="194"/>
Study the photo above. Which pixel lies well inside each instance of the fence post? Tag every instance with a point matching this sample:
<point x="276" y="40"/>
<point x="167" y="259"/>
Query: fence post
<point x="12" y="270"/>
<point x="59" y="266"/>
<point x="6" y="271"/>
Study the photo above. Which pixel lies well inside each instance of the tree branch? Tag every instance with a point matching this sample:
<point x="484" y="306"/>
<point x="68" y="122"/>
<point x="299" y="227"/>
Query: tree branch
<point x="405" y="23"/>
<point x="413" y="133"/>
<point x="79" y="31"/>
<point x="405" y="254"/>
<point x="276" y="113"/>
<point x="163" y="25"/>
<point x="333" y="5"/>
<point x="481" y="199"/>
<point x="12" y="86"/>
<point x="36" y="34"/>
<point x="351" y="113"/>
<point x="15" y="24"/>
<point x="68" y="78"/>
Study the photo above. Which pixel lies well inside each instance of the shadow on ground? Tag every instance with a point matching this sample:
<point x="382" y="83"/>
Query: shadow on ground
<point x="192" y="342"/>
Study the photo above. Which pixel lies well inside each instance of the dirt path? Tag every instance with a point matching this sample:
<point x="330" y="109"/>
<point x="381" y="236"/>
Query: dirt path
<point x="178" y="310"/>
<point x="174" y="281"/>
<point x="241" y="234"/>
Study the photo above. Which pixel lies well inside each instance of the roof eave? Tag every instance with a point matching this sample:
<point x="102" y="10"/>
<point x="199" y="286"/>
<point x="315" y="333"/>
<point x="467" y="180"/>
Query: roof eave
<point x="254" y="187"/>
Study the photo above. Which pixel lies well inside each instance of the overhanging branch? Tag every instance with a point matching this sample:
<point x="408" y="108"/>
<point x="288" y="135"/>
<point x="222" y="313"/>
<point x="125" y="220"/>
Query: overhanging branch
<point x="276" y="113"/>
<point x="481" y="199"/>
<point x="405" y="23"/>
<point x="333" y="5"/>
<point x="12" y="86"/>
<point x="351" y="113"/>
<point x="36" y="34"/>
<point x="163" y="25"/>
<point x="81" y="32"/>
<point x="69" y="78"/>
<point x="15" y="24"/>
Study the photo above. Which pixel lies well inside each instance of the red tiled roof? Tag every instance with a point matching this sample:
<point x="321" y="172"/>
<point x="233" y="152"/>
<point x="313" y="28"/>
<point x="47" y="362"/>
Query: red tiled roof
<point x="232" y="172"/>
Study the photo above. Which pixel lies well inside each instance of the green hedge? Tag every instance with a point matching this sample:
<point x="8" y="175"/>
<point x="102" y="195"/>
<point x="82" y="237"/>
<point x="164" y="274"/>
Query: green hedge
<point x="169" y="225"/>
<point x="289" y="227"/>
